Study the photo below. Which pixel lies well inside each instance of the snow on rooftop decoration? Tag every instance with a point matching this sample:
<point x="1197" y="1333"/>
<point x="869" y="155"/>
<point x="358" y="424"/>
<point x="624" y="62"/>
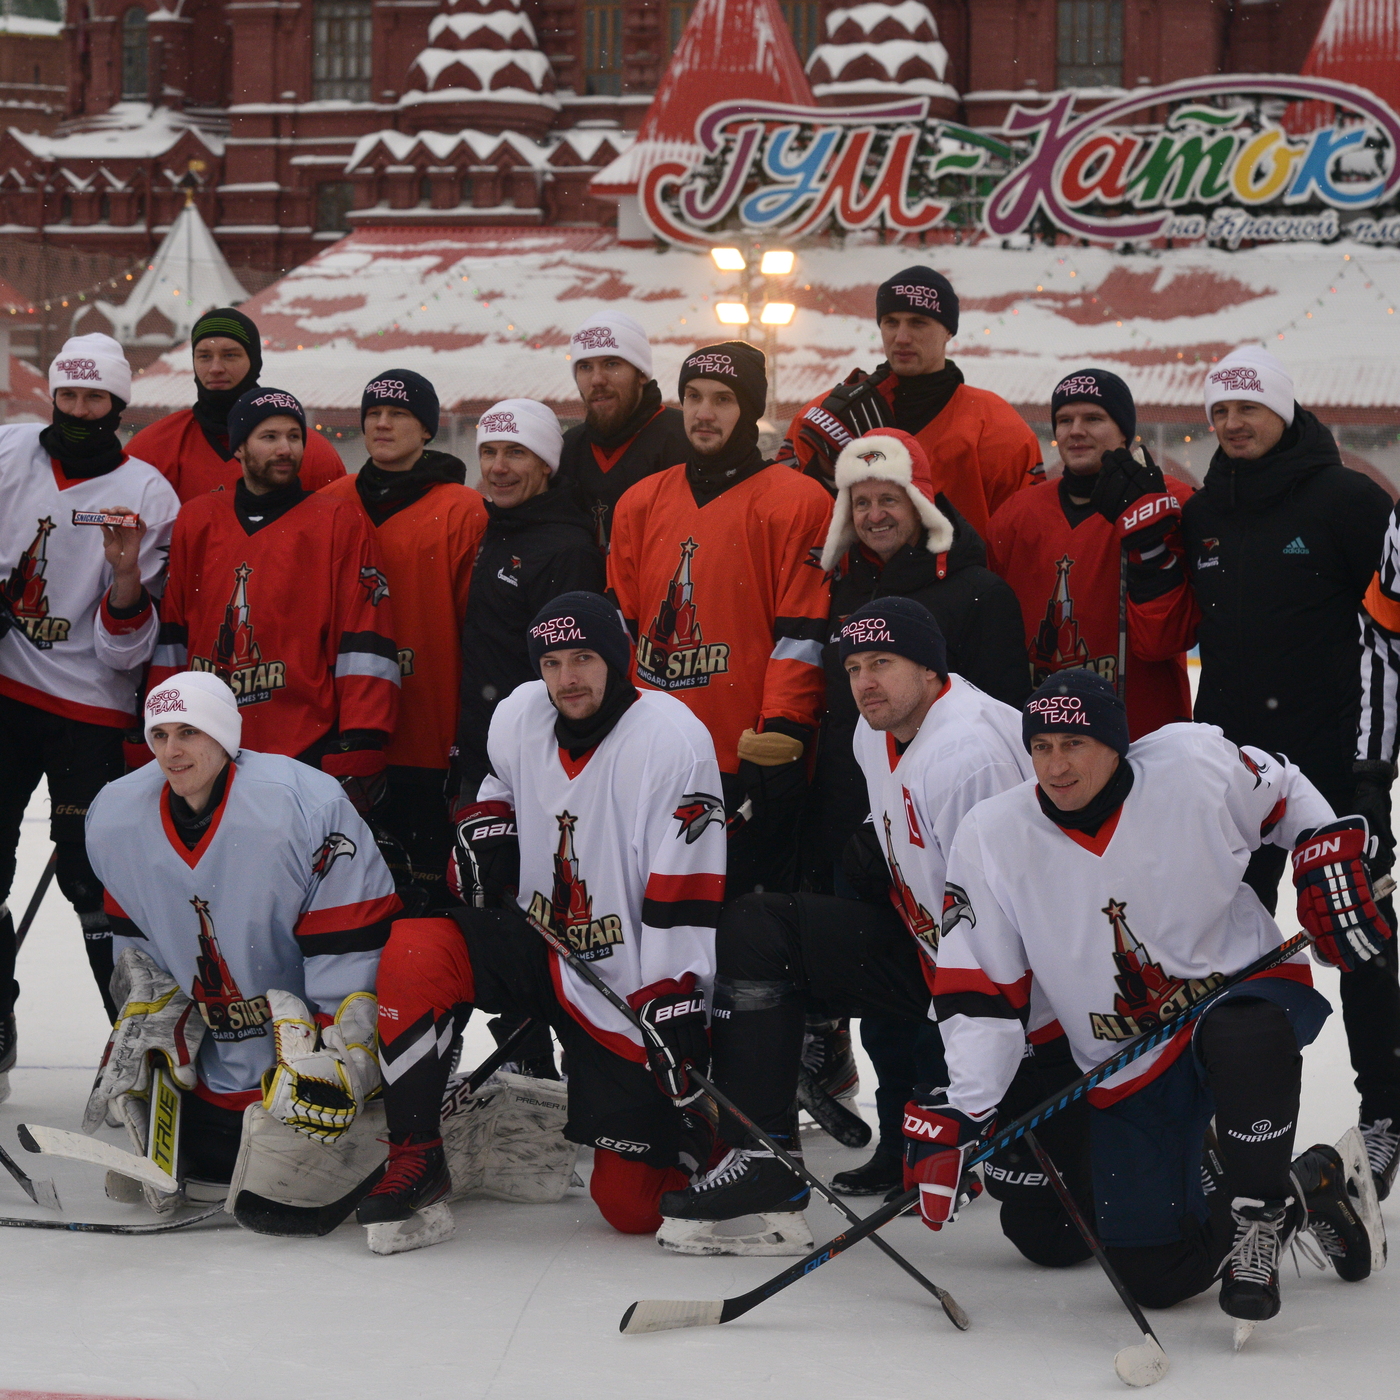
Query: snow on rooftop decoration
<point x="875" y="50"/>
<point x="483" y="68"/>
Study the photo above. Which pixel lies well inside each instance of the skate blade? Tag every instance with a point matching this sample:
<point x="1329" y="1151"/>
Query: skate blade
<point x="664" y="1314"/>
<point x="4" y="1086"/>
<point x="205" y="1193"/>
<point x="1361" y="1189"/>
<point x="431" y="1225"/>
<point x="783" y="1234"/>
<point x="1243" y="1331"/>
<point x="1144" y="1364"/>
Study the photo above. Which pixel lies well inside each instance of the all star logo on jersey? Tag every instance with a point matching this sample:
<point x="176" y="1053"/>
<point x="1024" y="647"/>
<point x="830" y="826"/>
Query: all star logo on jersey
<point x="697" y="811"/>
<point x="237" y="657"/>
<point x="226" y="1011"/>
<point x="672" y="653"/>
<point x="26" y="592"/>
<point x="330" y="850"/>
<point x="568" y="913"/>
<point x="1147" y="996"/>
<point x="916" y="918"/>
<point x="1058" y="645"/>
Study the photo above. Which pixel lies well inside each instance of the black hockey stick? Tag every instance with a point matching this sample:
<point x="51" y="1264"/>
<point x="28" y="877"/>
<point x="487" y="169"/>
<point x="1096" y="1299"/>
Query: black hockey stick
<point x="36" y="899"/>
<point x="42" y="1193"/>
<point x="90" y="1227"/>
<point x="659" y="1315"/>
<point x="951" y="1306"/>
<point x="829" y="1113"/>
<point x="1140" y="1365"/>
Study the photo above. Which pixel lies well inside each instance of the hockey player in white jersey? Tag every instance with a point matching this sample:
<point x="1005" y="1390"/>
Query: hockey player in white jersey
<point x="76" y="625"/>
<point x="616" y="799"/>
<point x="1112" y="889"/>
<point x="931" y="746"/>
<point x="249" y="903"/>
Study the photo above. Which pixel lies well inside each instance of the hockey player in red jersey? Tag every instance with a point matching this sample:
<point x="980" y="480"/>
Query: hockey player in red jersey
<point x="1110" y="892"/>
<point x="620" y="852"/>
<point x="190" y="447"/>
<point x="713" y="564"/>
<point x="281" y="592"/>
<point x="77" y="624"/>
<point x="1096" y="557"/>
<point x="250" y="903"/>
<point x="427" y="525"/>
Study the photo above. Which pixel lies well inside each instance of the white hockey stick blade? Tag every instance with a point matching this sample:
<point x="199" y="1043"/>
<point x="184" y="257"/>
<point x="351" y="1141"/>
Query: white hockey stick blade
<point x="60" y="1143"/>
<point x="1243" y="1332"/>
<point x="664" y="1314"/>
<point x="431" y="1225"/>
<point x="1361" y="1187"/>
<point x="1144" y="1364"/>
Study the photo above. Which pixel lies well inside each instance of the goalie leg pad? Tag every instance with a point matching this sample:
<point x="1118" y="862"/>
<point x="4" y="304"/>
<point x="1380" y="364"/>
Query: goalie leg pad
<point x="506" y="1140"/>
<point x="286" y="1183"/>
<point x="431" y="1225"/>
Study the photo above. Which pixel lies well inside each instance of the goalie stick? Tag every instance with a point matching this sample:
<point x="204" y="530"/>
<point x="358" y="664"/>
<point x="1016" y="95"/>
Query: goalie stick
<point x="58" y="1142"/>
<point x="662" y="1314"/>
<point x="36" y="899"/>
<point x="951" y="1306"/>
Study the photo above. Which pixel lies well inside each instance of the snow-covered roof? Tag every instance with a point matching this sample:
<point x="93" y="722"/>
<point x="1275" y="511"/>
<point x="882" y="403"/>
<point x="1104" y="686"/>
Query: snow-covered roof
<point x="909" y="13"/>
<point x="31" y="28"/>
<point x="129" y="130"/>
<point x="890" y="54"/>
<point x="505" y="24"/>
<point x="487" y="314"/>
<point x="1359" y="42"/>
<point x="483" y="64"/>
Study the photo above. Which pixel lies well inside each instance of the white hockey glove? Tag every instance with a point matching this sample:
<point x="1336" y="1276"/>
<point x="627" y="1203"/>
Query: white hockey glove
<point x="318" y="1085"/>
<point x="156" y="1018"/>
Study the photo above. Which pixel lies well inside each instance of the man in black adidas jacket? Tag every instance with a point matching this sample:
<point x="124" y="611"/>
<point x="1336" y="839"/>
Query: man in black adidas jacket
<point x="1281" y="544"/>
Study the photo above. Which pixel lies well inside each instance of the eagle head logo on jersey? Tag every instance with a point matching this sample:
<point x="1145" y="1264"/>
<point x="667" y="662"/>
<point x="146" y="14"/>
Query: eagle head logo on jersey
<point x="226" y="1011"/>
<point x="697" y="811"/>
<point x="957" y="909"/>
<point x="1147" y="995"/>
<point x="1057" y="645"/>
<point x="375" y="584"/>
<point x="236" y="656"/>
<point x="568" y="912"/>
<point x="330" y="850"/>
<point x="916" y="918"/>
<point x="672" y="653"/>
<point x="26" y="592"/>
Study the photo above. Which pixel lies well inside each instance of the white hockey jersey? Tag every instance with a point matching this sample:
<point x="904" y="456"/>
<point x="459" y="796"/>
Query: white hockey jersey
<point x="1119" y="931"/>
<point x="623" y="851"/>
<point x="968" y="748"/>
<point x="285" y="890"/>
<point x="68" y="655"/>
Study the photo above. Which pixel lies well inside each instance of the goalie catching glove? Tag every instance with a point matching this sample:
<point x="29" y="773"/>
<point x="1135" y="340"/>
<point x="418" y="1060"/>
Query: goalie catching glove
<point x="672" y="1016"/>
<point x="937" y="1139"/>
<point x="1335" y="905"/>
<point x="321" y="1079"/>
<point x="156" y="1018"/>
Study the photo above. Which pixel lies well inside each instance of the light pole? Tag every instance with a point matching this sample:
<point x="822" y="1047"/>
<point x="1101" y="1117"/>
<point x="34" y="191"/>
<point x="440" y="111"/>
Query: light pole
<point x="773" y="263"/>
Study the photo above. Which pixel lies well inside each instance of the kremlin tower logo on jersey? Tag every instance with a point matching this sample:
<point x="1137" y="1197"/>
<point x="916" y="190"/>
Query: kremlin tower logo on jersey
<point x="916" y="918"/>
<point x="568" y="912"/>
<point x="237" y="657"/>
<point x="672" y="653"/>
<point x="1147" y="996"/>
<point x="1058" y="645"/>
<point x="26" y="593"/>
<point x="226" y="1011"/>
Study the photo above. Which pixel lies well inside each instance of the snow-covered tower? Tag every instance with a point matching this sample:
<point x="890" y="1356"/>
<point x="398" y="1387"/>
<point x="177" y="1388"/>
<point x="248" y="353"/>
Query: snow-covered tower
<point x="482" y="69"/>
<point x="878" y="50"/>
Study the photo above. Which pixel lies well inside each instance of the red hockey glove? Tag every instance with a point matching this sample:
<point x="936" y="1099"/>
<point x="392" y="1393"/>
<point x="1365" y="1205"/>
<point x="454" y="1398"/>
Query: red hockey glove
<point x="936" y="1141"/>
<point x="484" y="868"/>
<point x="1335" y="905"/>
<point x="674" y="1034"/>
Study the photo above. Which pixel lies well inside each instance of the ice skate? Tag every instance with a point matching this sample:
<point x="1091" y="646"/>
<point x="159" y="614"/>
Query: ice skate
<point x="1249" y="1290"/>
<point x="748" y="1182"/>
<point x="1319" y="1176"/>
<point x="407" y="1210"/>
<point x="9" y="1048"/>
<point x="883" y="1172"/>
<point x="827" y="1052"/>
<point x="1362" y="1191"/>
<point x="1382" y="1139"/>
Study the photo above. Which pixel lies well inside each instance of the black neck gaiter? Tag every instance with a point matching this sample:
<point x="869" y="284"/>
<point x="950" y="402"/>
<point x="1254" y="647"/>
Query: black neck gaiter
<point x="739" y="458"/>
<point x="86" y="447"/>
<point x="383" y="494"/>
<point x="211" y="408"/>
<point x="190" y="825"/>
<point x="920" y="398"/>
<point x="1096" y="812"/>
<point x="580" y="735"/>
<point x="254" y="511"/>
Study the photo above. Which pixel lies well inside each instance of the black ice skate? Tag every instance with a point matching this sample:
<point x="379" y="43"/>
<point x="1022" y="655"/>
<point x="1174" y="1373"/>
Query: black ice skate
<point x="408" y="1209"/>
<point x="827" y="1053"/>
<point x="749" y="1181"/>
<point x="1320" y="1176"/>
<point x="1249" y="1290"/>
<point x="9" y="1047"/>
<point x="883" y="1172"/>
<point x="1382" y="1139"/>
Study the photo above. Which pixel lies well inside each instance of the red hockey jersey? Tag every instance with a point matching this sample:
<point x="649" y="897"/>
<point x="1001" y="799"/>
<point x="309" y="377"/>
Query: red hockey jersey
<point x="295" y="617"/>
<point x="1067" y="580"/>
<point x="728" y="601"/>
<point x="177" y="448"/>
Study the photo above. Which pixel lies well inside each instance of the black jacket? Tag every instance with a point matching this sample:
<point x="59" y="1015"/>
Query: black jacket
<point x="529" y="555"/>
<point x="652" y="440"/>
<point x="981" y="622"/>
<point x="1280" y="552"/>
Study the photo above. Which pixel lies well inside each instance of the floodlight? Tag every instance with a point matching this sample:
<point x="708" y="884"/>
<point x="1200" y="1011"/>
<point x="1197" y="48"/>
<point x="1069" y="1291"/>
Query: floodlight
<point x="728" y="259"/>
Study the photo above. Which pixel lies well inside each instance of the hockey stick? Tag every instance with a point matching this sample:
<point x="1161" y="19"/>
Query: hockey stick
<point x="159" y="1227"/>
<point x="658" y="1315"/>
<point x="33" y="1137"/>
<point x="1122" y="683"/>
<point x="951" y="1306"/>
<point x="830" y="1114"/>
<point x="1140" y="1365"/>
<point x="42" y="1193"/>
<point x="36" y="899"/>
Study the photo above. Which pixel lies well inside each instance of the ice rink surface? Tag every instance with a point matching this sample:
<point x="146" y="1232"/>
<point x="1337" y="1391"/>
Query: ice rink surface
<point x="524" y="1303"/>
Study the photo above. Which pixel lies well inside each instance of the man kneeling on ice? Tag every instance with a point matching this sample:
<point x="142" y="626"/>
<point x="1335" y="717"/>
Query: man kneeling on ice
<point x="620" y="852"/>
<point x="249" y="905"/>
<point x="1111" y="889"/>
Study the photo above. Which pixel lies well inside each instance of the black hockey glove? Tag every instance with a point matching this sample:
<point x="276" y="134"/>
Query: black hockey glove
<point x="1372" y="801"/>
<point x="484" y="869"/>
<point x="674" y="1034"/>
<point x="772" y="772"/>
<point x="863" y="865"/>
<point x="1123" y="481"/>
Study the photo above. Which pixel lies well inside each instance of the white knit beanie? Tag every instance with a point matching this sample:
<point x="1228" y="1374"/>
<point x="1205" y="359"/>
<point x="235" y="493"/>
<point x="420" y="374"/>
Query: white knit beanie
<point x="93" y="361"/>
<point x="201" y="700"/>
<point x="1252" y="374"/>
<point x="613" y="333"/>
<point x="524" y="421"/>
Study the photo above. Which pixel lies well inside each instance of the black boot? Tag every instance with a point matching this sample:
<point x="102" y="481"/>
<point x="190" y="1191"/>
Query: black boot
<point x="884" y="1171"/>
<point x="1249" y="1276"/>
